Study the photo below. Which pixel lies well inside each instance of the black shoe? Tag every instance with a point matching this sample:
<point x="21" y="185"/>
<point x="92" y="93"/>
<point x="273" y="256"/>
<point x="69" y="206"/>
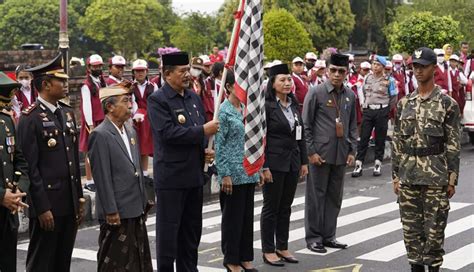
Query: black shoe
<point x="334" y="244"/>
<point x="417" y="268"/>
<point x="317" y="247"/>
<point x="253" y="269"/>
<point x="276" y="263"/>
<point x="91" y="187"/>
<point x="433" y="268"/>
<point x="228" y="269"/>
<point x="289" y="259"/>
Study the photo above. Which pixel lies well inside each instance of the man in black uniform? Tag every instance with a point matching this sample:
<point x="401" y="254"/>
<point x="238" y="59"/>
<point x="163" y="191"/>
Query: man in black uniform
<point x="179" y="136"/>
<point x="49" y="140"/>
<point x="13" y="184"/>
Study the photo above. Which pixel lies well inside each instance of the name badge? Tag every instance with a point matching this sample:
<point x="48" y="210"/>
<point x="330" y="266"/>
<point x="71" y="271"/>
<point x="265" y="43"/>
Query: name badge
<point x="299" y="132"/>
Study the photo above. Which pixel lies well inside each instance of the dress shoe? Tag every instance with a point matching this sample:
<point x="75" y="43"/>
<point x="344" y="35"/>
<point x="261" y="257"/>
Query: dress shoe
<point x="289" y="259"/>
<point x="91" y="187"/>
<point x="334" y="244"/>
<point x="433" y="268"/>
<point x="417" y="268"/>
<point x="357" y="170"/>
<point x="377" y="168"/>
<point x="317" y="247"/>
<point x="253" y="269"/>
<point x="275" y="263"/>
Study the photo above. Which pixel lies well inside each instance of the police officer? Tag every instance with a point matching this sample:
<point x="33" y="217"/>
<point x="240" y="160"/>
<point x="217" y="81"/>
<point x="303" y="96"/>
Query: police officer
<point x="13" y="183"/>
<point x="48" y="137"/>
<point x="179" y="130"/>
<point x="380" y="95"/>
<point x="425" y="163"/>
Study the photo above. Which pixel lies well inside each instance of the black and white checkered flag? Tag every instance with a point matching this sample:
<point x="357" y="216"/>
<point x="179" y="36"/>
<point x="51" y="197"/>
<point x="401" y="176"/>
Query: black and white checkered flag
<point x="249" y="83"/>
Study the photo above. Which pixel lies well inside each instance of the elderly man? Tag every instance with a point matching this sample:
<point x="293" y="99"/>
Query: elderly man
<point x="330" y="127"/>
<point x="115" y="161"/>
<point x="179" y="135"/>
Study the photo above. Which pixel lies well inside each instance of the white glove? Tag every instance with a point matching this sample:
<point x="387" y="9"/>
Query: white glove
<point x="139" y="117"/>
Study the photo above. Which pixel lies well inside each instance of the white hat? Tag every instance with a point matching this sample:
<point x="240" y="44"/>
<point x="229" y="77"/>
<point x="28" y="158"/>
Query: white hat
<point x="454" y="57"/>
<point x="439" y="51"/>
<point x="320" y="64"/>
<point x="351" y="57"/>
<point x="297" y="59"/>
<point x="275" y="62"/>
<point x="267" y="65"/>
<point x="118" y="60"/>
<point x="397" y="57"/>
<point x="365" y="65"/>
<point x="389" y="65"/>
<point x="311" y="56"/>
<point x="205" y="59"/>
<point x="76" y="59"/>
<point x="140" y="64"/>
<point x="95" y="60"/>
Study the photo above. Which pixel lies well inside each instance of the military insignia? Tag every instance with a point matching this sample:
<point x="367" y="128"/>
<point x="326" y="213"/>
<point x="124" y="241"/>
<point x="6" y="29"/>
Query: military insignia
<point x="418" y="54"/>
<point x="330" y="103"/>
<point x="10" y="141"/>
<point x="347" y="99"/>
<point x="45" y="119"/>
<point x="194" y="105"/>
<point x="132" y="140"/>
<point x="69" y="116"/>
<point x="42" y="107"/>
<point x="181" y="119"/>
<point x="52" y="142"/>
<point x="43" y="114"/>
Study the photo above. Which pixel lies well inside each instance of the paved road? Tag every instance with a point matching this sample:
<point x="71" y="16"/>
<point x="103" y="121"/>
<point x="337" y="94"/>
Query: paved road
<point x="369" y="223"/>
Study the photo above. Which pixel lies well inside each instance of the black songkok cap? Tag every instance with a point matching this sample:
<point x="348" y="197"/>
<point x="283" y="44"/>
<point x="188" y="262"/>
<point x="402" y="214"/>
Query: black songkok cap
<point x="339" y="60"/>
<point x="424" y="56"/>
<point x="175" y="59"/>
<point x="279" y="69"/>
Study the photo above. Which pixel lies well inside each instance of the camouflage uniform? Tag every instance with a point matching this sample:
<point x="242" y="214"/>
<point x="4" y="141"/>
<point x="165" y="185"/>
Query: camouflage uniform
<point x="426" y="150"/>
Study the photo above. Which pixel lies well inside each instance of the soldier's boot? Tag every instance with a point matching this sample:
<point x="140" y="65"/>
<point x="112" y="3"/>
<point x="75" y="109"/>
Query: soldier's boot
<point x="357" y="170"/>
<point x="417" y="268"/>
<point x="377" y="168"/>
<point x="433" y="268"/>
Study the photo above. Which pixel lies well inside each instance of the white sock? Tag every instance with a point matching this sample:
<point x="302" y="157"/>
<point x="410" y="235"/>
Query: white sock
<point x="145" y="173"/>
<point x="89" y="181"/>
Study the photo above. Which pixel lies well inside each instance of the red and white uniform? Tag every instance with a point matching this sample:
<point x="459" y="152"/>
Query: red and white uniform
<point x="92" y="113"/>
<point x="399" y="76"/>
<point x="111" y="80"/>
<point x="214" y="58"/>
<point x="441" y="77"/>
<point x="23" y="99"/>
<point x="300" y="88"/>
<point x="141" y="92"/>
<point x="458" y="80"/>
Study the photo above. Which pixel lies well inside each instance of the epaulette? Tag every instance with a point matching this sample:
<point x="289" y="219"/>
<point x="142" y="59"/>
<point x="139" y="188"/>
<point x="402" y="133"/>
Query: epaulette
<point x="29" y="109"/>
<point x="63" y="104"/>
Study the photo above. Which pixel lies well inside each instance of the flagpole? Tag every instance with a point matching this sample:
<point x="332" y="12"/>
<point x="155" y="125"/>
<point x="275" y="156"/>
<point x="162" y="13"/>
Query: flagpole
<point x="230" y="53"/>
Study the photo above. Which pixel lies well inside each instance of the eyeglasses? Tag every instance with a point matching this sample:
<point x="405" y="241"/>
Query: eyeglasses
<point x="337" y="70"/>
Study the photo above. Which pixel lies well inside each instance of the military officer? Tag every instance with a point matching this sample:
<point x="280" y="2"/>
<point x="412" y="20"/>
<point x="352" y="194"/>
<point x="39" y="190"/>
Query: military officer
<point x="48" y="137"/>
<point x="13" y="184"/>
<point x="425" y="163"/>
<point x="179" y="130"/>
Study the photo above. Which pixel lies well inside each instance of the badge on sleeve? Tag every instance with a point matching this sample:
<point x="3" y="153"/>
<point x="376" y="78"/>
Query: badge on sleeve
<point x="132" y="140"/>
<point x="181" y="119"/>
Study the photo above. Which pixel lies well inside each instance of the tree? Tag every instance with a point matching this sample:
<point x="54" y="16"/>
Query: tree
<point x="194" y="33"/>
<point x="128" y="26"/>
<point x="32" y="21"/>
<point x="422" y="29"/>
<point x="284" y="37"/>
<point x="328" y="22"/>
<point x="459" y="10"/>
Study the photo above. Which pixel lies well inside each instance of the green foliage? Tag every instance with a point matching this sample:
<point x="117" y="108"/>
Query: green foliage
<point x="284" y="37"/>
<point x="32" y="21"/>
<point x="128" y="26"/>
<point x="422" y="29"/>
<point x="328" y="22"/>
<point x="459" y="10"/>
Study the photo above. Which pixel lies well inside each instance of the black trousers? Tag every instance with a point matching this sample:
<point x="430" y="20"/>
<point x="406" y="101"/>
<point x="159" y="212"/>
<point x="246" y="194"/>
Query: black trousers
<point x="8" y="241"/>
<point x="237" y="224"/>
<point x="275" y="220"/>
<point x="51" y="250"/>
<point x="178" y="228"/>
<point x="371" y="119"/>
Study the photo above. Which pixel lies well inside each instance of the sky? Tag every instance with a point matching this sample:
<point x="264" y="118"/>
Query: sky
<point x="209" y="6"/>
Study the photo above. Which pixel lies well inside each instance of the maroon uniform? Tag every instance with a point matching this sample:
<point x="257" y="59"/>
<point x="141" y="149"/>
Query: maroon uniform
<point x="143" y="128"/>
<point x="441" y="77"/>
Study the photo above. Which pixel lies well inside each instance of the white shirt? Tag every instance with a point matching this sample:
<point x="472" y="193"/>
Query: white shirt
<point x="50" y="106"/>
<point x="86" y="100"/>
<point x="124" y="136"/>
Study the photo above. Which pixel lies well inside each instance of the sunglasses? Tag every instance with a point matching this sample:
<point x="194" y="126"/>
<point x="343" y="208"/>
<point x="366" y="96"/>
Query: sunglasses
<point x="341" y="71"/>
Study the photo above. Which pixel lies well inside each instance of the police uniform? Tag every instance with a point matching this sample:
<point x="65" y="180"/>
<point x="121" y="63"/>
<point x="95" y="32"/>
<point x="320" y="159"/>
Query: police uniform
<point x="426" y="150"/>
<point x="49" y="140"/>
<point x="12" y="162"/>
<point x="178" y="161"/>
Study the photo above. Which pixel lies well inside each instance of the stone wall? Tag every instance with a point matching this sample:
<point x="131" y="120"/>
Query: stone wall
<point x="10" y="59"/>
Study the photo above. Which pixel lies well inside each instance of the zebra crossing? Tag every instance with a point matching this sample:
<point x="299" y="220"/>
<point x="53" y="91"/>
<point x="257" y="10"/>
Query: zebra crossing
<point x="363" y="220"/>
